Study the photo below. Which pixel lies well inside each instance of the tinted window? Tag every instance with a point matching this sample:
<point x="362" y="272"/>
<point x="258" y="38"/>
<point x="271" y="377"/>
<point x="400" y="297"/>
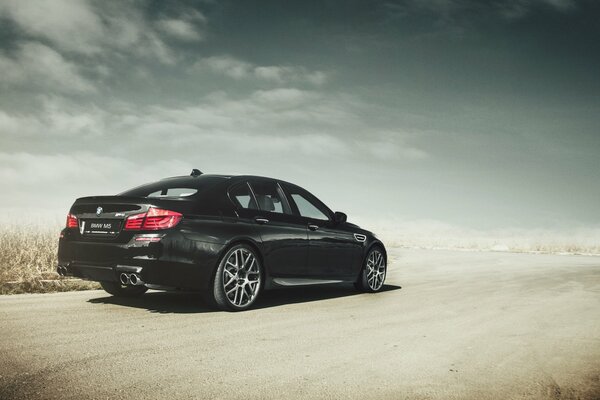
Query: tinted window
<point x="241" y="196"/>
<point x="202" y="185"/>
<point x="173" y="192"/>
<point x="306" y="208"/>
<point x="269" y="197"/>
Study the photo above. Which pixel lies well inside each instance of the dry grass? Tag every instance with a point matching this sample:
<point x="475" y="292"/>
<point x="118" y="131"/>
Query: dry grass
<point x="28" y="262"/>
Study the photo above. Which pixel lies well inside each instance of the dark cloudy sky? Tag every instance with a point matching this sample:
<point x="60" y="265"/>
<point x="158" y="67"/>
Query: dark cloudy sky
<point x="481" y="114"/>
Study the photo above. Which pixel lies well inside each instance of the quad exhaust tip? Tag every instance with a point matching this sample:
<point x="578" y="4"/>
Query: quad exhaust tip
<point x="130" y="279"/>
<point x="62" y="271"/>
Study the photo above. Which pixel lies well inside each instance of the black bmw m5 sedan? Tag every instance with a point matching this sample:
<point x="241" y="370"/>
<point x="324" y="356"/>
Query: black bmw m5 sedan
<point x="228" y="236"/>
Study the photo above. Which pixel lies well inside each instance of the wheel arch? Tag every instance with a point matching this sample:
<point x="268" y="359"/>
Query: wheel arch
<point x="234" y="242"/>
<point x="360" y="282"/>
<point x="376" y="243"/>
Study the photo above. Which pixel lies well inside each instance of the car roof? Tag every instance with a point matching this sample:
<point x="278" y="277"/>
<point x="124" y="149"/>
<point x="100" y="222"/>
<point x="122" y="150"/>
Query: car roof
<point x="233" y="178"/>
<point x="206" y="183"/>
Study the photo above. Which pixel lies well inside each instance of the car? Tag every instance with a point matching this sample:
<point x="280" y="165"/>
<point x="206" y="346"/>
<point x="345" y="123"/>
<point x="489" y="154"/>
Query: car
<point x="230" y="237"/>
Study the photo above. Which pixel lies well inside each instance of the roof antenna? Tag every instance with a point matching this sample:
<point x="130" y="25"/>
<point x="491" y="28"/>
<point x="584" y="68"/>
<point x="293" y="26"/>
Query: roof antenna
<point x="196" y="172"/>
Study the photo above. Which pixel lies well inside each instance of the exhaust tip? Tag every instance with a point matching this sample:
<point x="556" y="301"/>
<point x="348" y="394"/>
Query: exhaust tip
<point x="124" y="278"/>
<point x="135" y="279"/>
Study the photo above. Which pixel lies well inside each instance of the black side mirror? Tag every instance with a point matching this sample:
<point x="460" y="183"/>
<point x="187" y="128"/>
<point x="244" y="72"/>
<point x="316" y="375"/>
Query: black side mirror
<point x="340" y="217"/>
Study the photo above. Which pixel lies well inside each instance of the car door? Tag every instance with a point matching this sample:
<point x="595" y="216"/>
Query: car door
<point x="284" y="236"/>
<point x="333" y="252"/>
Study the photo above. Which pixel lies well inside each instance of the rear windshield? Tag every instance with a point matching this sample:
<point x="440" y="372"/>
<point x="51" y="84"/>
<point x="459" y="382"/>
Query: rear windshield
<point x="175" y="187"/>
<point x="173" y="192"/>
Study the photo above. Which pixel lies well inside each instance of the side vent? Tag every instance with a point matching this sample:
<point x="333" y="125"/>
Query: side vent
<point x="360" y="238"/>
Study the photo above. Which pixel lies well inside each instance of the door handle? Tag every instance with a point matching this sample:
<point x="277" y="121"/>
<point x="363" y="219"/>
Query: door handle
<point x="313" y="227"/>
<point x="261" y="221"/>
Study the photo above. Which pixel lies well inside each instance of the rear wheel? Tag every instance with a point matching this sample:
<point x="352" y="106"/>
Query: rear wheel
<point x="238" y="279"/>
<point x="116" y="289"/>
<point x="373" y="273"/>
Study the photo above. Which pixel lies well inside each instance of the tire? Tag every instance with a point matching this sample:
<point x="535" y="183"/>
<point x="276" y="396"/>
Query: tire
<point x="118" y="290"/>
<point x="238" y="279"/>
<point x="372" y="275"/>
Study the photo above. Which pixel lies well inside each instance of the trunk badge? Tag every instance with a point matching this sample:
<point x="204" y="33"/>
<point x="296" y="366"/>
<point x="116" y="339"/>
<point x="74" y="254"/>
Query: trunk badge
<point x="99" y="211"/>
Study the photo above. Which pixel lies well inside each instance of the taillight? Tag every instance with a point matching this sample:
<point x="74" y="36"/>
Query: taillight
<point x="153" y="220"/>
<point x="158" y="218"/>
<point x="134" y="222"/>
<point x="71" y="221"/>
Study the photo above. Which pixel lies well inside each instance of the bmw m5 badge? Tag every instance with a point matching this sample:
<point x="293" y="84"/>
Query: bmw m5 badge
<point x="99" y="211"/>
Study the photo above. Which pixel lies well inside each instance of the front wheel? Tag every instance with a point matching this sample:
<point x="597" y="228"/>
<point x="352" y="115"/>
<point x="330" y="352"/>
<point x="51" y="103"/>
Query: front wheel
<point x="238" y="279"/>
<point x="116" y="289"/>
<point x="373" y="273"/>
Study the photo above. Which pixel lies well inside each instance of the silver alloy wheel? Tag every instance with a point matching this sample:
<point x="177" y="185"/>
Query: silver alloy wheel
<point x="241" y="277"/>
<point x="375" y="270"/>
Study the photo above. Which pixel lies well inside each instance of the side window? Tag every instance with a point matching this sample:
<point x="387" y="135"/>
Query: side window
<point x="308" y="205"/>
<point x="306" y="208"/>
<point x="269" y="197"/>
<point x="241" y="196"/>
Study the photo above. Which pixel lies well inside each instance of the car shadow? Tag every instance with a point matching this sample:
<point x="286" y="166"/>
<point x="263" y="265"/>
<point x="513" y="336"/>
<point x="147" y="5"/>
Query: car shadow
<point x="180" y="302"/>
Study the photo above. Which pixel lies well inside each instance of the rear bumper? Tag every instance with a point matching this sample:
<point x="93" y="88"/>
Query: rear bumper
<point x="185" y="276"/>
<point x="174" y="261"/>
<point x="91" y="272"/>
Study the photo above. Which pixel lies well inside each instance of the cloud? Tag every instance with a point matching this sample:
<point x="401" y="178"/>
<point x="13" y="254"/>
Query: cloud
<point x="561" y="4"/>
<point x="70" y="24"/>
<point x="290" y="74"/>
<point x="102" y="29"/>
<point x="284" y="97"/>
<point x="451" y="13"/>
<point x="238" y="69"/>
<point x="184" y="28"/>
<point x="282" y="125"/>
<point x="40" y="66"/>
<point x="395" y="150"/>
<point x="180" y="29"/>
<point x="516" y="9"/>
<point x="56" y="125"/>
<point x="227" y="66"/>
<point x="77" y="174"/>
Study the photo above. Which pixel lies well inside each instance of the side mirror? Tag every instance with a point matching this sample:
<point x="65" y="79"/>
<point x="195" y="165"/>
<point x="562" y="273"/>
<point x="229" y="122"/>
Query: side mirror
<point x="340" y="217"/>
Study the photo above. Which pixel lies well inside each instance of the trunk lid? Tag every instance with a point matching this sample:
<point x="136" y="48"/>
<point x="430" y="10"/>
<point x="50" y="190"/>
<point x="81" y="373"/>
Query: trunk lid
<point x="102" y="218"/>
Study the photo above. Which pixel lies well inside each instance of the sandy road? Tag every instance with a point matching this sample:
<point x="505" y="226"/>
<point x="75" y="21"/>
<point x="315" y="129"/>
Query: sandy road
<point x="450" y="325"/>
